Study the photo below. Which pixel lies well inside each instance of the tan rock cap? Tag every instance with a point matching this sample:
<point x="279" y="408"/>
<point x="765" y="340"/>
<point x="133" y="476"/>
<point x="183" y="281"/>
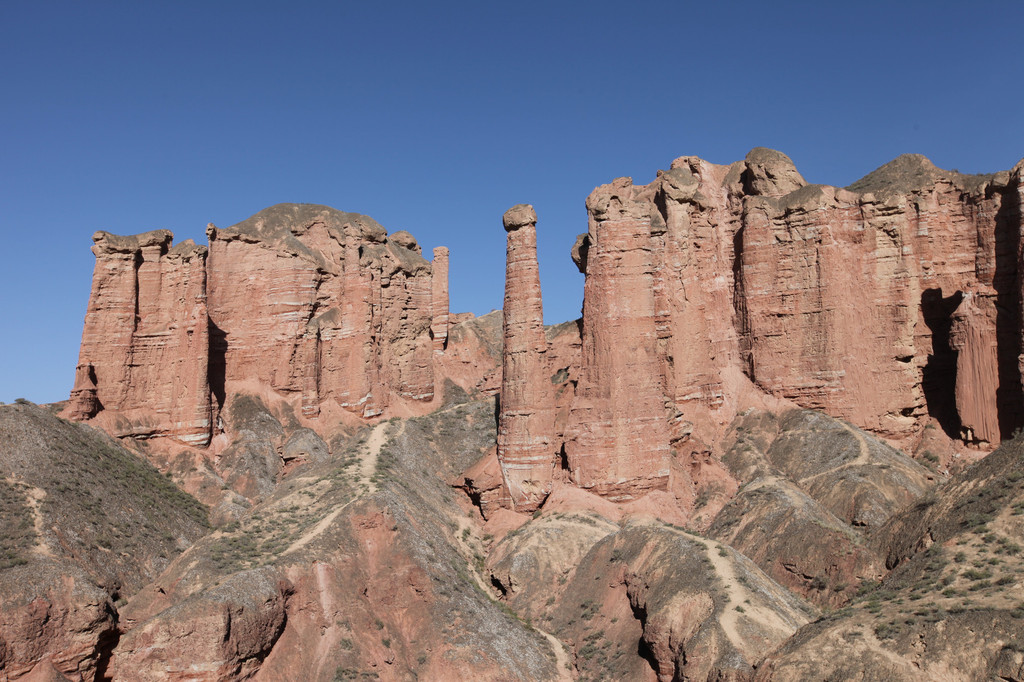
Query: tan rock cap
<point x="518" y="216"/>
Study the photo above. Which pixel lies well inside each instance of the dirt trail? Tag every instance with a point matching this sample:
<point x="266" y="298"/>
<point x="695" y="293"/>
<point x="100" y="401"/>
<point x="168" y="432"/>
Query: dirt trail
<point x="740" y="596"/>
<point x="367" y="467"/>
<point x="863" y="457"/>
<point x="35" y="497"/>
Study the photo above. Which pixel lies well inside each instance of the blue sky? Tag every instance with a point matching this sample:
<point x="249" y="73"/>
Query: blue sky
<point x="436" y="117"/>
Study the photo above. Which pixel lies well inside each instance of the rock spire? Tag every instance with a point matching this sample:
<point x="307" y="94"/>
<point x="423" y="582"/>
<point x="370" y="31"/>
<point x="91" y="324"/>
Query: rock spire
<point x="526" y="421"/>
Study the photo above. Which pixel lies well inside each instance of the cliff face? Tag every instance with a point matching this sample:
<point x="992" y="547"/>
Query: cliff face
<point x="145" y="342"/>
<point x="309" y="303"/>
<point x="849" y="296"/>
<point x="893" y="304"/>
<point x="616" y="436"/>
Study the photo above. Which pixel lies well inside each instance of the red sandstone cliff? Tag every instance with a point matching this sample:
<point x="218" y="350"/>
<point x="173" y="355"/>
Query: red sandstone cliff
<point x="893" y="304"/>
<point x="616" y="436"/>
<point x="308" y="303"/>
<point x="145" y="343"/>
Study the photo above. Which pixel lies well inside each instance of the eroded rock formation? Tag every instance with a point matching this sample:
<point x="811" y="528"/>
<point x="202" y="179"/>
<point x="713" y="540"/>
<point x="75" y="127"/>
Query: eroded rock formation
<point x="526" y="421"/>
<point x="894" y="303"/>
<point x="439" y="298"/>
<point x="617" y="440"/>
<point x="314" y="305"/>
<point x="145" y="342"/>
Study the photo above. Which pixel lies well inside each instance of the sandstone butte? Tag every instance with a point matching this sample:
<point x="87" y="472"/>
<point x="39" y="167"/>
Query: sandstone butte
<point x="894" y="304"/>
<point x="319" y="307"/>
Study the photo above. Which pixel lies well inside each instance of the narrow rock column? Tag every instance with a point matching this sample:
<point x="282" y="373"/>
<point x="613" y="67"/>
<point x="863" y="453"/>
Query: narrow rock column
<point x="526" y="419"/>
<point x="439" y="298"/>
<point x="191" y="409"/>
<point x="83" y="403"/>
<point x="355" y="361"/>
<point x="617" y="436"/>
<point x="311" y="371"/>
<point x="1017" y="180"/>
<point x="973" y="336"/>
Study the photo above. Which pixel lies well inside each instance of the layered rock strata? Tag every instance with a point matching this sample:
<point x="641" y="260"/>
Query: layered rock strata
<point x="439" y="298"/>
<point x="145" y="342"/>
<point x="848" y="297"/>
<point x="893" y="303"/>
<point x="526" y="420"/>
<point x="616" y="435"/>
<point x="317" y="306"/>
<point x="887" y="303"/>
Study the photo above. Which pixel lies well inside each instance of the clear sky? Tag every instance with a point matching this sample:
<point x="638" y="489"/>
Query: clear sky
<point x="435" y="117"/>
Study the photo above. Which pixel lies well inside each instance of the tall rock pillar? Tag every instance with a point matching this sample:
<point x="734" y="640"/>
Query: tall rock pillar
<point x="526" y="419"/>
<point x="617" y="439"/>
<point x="439" y="298"/>
<point x="973" y="336"/>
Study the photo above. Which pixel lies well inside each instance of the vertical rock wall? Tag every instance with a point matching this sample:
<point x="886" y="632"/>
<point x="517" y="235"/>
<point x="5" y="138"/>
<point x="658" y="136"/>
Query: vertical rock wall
<point x="313" y="304"/>
<point x="526" y="450"/>
<point x="439" y="298"/>
<point x="842" y="300"/>
<point x="616" y="436"/>
<point x="145" y="342"/>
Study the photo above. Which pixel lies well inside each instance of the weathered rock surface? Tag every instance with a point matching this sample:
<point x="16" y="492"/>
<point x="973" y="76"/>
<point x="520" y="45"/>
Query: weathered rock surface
<point x="354" y="565"/>
<point x="83" y="523"/>
<point x="223" y="634"/>
<point x="532" y="563"/>
<point x="893" y="304"/>
<point x="145" y="343"/>
<point x="857" y="478"/>
<point x="311" y="301"/>
<point x="616" y="435"/>
<point x="526" y="449"/>
<point x="698" y="610"/>
<point x="313" y="305"/>
<point x="950" y="609"/>
<point x="797" y="542"/>
<point x="439" y="298"/>
<point x="54" y="615"/>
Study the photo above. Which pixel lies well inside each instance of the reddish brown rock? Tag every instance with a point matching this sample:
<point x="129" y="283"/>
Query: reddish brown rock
<point x="526" y="449"/>
<point x="844" y="293"/>
<point x="315" y="306"/>
<point x="839" y="300"/>
<point x="223" y="634"/>
<point x="145" y="342"/>
<point x="973" y="337"/>
<point x="439" y="298"/>
<point x="84" y="404"/>
<point x="616" y="438"/>
<point x="54" y="614"/>
<point x="306" y="299"/>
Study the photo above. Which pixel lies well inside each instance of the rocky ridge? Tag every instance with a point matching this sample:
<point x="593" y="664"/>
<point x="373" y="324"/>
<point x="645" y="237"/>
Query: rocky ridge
<point x="714" y="458"/>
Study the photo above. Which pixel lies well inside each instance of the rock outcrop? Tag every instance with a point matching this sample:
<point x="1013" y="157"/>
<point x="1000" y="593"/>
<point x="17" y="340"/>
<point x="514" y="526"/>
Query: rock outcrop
<point x="145" y="342"/>
<point x="845" y="297"/>
<point x="83" y="524"/>
<point x="616" y="435"/>
<point x="893" y="304"/>
<point x="439" y="298"/>
<point x="316" y="306"/>
<point x="526" y="450"/>
<point x="307" y="300"/>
